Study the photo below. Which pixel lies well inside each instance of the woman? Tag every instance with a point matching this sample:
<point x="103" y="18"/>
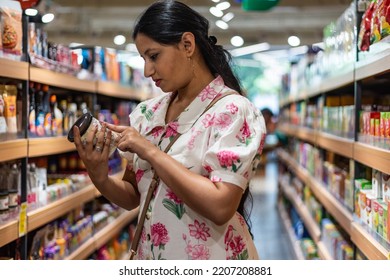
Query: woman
<point x="203" y="176"/>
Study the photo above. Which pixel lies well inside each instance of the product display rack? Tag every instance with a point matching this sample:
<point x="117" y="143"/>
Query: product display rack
<point x="364" y="72"/>
<point x="16" y="147"/>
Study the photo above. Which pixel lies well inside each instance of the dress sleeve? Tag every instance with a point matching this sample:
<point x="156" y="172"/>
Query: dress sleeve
<point x="236" y="140"/>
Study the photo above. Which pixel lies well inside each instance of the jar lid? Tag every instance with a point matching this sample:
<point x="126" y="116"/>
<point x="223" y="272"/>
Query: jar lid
<point x="82" y="123"/>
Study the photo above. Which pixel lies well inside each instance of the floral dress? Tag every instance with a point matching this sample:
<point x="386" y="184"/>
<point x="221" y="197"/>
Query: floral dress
<point x="224" y="144"/>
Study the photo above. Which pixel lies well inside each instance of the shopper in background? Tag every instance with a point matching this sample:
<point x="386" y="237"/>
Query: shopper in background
<point x="271" y="124"/>
<point x="204" y="176"/>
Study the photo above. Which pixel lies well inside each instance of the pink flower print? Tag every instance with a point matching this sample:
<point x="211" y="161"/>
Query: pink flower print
<point x="262" y="142"/>
<point x="208" y="120"/>
<point x="172" y="196"/>
<point x="208" y="168"/>
<point x="200" y="252"/>
<point x="191" y="144"/>
<point x="207" y="93"/>
<point x="216" y="179"/>
<point x="156" y="106"/>
<point x="232" y="108"/>
<point x="223" y="120"/>
<point x="172" y="129"/>
<point x="228" y="236"/>
<point x="237" y="245"/>
<point x="245" y="131"/>
<point x="157" y="131"/>
<point x="199" y="230"/>
<point x="227" y="158"/>
<point x="241" y="219"/>
<point x="159" y="234"/>
<point x="139" y="174"/>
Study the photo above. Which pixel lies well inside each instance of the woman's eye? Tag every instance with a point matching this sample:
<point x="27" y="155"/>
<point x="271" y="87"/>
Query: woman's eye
<point x="154" y="56"/>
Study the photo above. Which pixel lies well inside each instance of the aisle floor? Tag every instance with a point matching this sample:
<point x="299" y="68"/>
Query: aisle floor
<point x="270" y="236"/>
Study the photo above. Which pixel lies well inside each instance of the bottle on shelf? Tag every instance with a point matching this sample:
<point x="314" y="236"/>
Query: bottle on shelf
<point x="13" y="190"/>
<point x="40" y="113"/>
<point x="48" y="114"/>
<point x="3" y="122"/>
<point x="65" y="116"/>
<point x="32" y="111"/>
<point x="32" y="187"/>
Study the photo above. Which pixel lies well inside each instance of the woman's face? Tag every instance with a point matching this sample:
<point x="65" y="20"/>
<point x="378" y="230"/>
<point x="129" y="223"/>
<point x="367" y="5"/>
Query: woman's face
<point x="167" y="65"/>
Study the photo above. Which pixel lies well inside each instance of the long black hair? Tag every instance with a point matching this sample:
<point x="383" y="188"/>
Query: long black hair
<point x="165" y="22"/>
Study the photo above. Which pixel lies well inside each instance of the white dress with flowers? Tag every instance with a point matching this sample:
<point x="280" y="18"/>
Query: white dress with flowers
<point x="224" y="145"/>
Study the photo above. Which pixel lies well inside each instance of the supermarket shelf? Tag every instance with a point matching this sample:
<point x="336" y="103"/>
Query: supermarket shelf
<point x="303" y="133"/>
<point x="61" y="80"/>
<point x="336" y="144"/>
<point x="372" y="248"/>
<point x="291" y="235"/>
<point x="9" y="232"/>
<point x="13" y="69"/>
<point x="103" y="236"/>
<point x="343" y="78"/>
<point x="373" y="65"/>
<point x="342" y="215"/>
<point x="120" y="91"/>
<point x="323" y="252"/>
<point x="372" y="156"/>
<point x="310" y="224"/>
<point x="13" y="149"/>
<point x="332" y="205"/>
<point x="48" y="213"/>
<point x="49" y="146"/>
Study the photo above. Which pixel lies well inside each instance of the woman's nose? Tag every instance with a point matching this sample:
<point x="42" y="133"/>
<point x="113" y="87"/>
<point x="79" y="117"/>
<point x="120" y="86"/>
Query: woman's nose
<point x="148" y="69"/>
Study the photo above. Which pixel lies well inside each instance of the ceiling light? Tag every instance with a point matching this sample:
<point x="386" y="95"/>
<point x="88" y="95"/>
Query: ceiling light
<point x="293" y="41"/>
<point x="119" y="40"/>
<point x="237" y="41"/>
<point x="31" y="12"/>
<point x="223" y="6"/>
<point x="228" y="17"/>
<point x="250" y="49"/>
<point x="221" y="24"/>
<point x="216" y="12"/>
<point x="215" y="1"/>
<point x="46" y="18"/>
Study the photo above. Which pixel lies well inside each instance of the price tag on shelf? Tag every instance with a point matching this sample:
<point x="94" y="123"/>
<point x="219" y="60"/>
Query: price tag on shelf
<point x="23" y="219"/>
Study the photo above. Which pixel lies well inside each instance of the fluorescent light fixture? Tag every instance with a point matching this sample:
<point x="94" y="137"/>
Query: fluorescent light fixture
<point x="31" y="12"/>
<point x="221" y="24"/>
<point x="223" y="6"/>
<point x="250" y="49"/>
<point x="46" y="18"/>
<point x="119" y="40"/>
<point x="228" y="17"/>
<point x="294" y="41"/>
<point x="75" y="45"/>
<point x="237" y="41"/>
<point x="298" y="50"/>
<point x="215" y="1"/>
<point x="216" y="12"/>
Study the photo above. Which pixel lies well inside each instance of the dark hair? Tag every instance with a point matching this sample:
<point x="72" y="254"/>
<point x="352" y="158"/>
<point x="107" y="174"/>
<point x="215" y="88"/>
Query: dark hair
<point x="166" y="21"/>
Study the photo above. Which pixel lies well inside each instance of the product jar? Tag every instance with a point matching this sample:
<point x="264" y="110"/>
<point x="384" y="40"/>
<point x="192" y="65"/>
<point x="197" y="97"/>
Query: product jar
<point x="85" y="123"/>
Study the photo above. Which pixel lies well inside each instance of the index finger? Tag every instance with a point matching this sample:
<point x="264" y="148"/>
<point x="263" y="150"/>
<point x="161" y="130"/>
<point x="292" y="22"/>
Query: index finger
<point x="116" y="128"/>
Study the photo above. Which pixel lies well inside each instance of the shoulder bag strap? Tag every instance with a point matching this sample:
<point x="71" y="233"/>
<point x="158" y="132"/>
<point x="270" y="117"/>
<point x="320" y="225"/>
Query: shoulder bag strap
<point x="154" y="183"/>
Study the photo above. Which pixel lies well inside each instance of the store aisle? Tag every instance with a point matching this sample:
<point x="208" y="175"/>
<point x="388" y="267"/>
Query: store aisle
<point x="271" y="238"/>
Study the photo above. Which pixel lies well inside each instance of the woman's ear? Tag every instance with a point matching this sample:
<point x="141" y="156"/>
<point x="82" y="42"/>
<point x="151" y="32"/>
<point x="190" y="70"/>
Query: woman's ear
<point x="188" y="41"/>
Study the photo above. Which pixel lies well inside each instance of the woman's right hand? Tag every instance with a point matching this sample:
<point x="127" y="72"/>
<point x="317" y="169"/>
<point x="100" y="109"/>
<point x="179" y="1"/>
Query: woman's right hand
<point x="94" y="156"/>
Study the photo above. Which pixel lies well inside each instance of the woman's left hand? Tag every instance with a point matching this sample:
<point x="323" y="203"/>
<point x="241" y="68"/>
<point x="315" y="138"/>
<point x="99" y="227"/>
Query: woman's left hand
<point x="130" y="140"/>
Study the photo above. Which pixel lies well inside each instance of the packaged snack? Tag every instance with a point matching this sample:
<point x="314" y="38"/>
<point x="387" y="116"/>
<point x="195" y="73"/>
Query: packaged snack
<point x="11" y="29"/>
<point x="365" y="29"/>
<point x="10" y="95"/>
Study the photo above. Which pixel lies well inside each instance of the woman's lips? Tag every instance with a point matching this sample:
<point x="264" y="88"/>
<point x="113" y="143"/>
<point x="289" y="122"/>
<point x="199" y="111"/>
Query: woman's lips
<point x="157" y="83"/>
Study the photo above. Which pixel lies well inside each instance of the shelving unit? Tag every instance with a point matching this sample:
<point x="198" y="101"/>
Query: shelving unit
<point x="365" y="72"/>
<point x="15" y="147"/>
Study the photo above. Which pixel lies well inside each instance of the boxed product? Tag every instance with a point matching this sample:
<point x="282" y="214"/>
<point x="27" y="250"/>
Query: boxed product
<point x="385" y="182"/>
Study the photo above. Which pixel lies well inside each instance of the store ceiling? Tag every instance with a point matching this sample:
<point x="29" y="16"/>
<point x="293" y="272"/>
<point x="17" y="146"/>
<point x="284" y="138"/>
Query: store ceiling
<point x="96" y="22"/>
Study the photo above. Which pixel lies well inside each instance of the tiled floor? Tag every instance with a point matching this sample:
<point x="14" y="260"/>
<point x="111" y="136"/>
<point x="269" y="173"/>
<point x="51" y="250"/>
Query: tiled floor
<point x="271" y="238"/>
